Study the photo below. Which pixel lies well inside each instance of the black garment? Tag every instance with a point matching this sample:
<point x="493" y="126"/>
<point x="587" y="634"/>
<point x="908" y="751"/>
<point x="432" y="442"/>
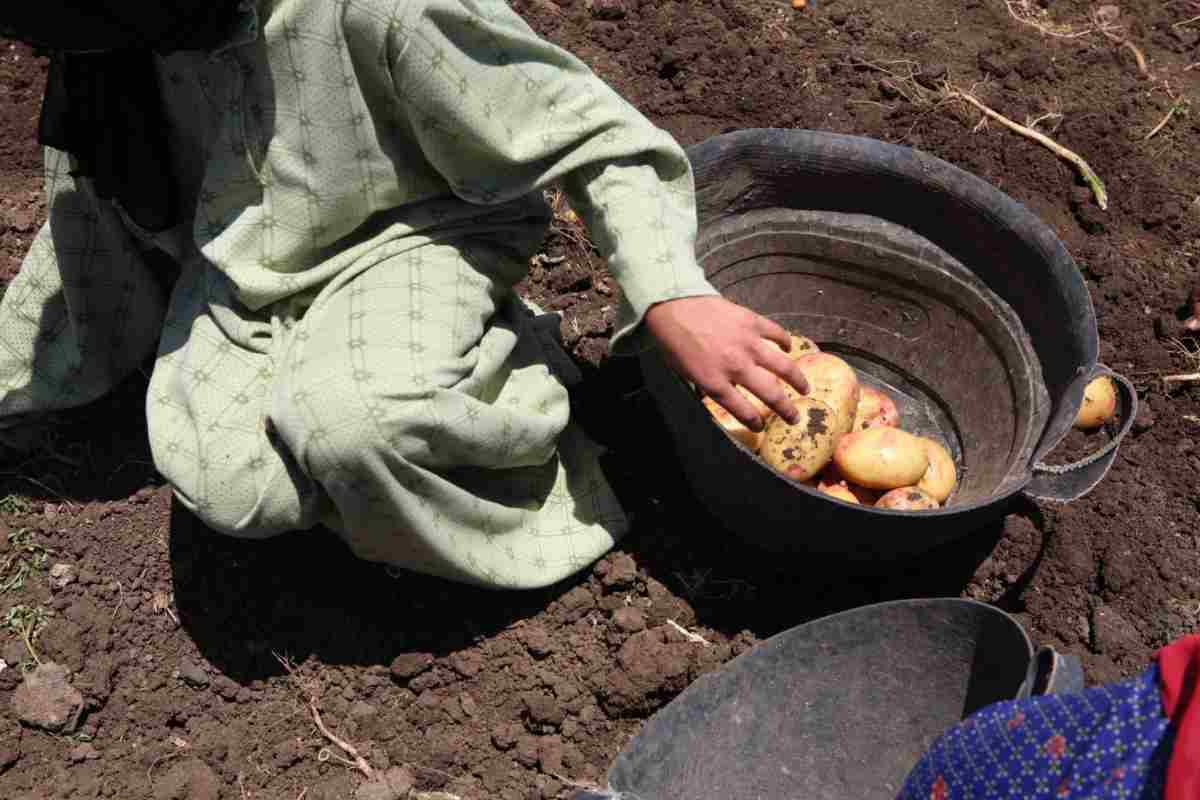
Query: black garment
<point x="102" y="102"/>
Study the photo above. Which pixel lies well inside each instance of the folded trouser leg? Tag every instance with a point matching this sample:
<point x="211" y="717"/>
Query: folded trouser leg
<point x="208" y="411"/>
<point x="418" y="397"/>
<point x="84" y="311"/>
<point x="410" y="409"/>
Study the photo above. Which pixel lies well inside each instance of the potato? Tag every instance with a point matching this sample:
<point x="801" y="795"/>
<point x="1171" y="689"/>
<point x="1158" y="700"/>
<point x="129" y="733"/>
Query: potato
<point x="832" y="476"/>
<point x="801" y="346"/>
<point x="733" y="426"/>
<point x="840" y="490"/>
<point x="907" y="498"/>
<point x="1099" y="404"/>
<point x="941" y="476"/>
<point x="802" y="450"/>
<point x="875" y="408"/>
<point x="881" y="458"/>
<point x="832" y="381"/>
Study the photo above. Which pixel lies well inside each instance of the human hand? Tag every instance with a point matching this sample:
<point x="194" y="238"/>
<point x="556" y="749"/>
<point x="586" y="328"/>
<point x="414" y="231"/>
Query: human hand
<point x="719" y="345"/>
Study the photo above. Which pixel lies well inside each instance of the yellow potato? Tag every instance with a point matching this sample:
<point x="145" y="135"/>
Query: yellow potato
<point x="939" y="479"/>
<point x="802" y="450"/>
<point x="875" y="408"/>
<point x="801" y="345"/>
<point x="831" y="476"/>
<point x="881" y="458"/>
<point x="731" y="425"/>
<point x="839" y="490"/>
<point x="907" y="498"/>
<point x="832" y="381"/>
<point x="1099" y="404"/>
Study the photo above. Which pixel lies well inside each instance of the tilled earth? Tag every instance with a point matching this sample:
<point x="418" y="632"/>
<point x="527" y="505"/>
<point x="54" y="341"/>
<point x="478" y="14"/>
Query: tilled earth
<point x="173" y="637"/>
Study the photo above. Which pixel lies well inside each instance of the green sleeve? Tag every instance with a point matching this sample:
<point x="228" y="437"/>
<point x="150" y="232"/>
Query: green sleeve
<point x="500" y="113"/>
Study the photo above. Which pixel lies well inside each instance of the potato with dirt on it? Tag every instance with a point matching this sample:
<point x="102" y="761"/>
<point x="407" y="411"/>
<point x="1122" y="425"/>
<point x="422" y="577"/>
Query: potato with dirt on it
<point x="832" y="381"/>
<point x="881" y="458"/>
<point x="733" y="426"/>
<point x="802" y="450"/>
<point x="1099" y="404"/>
<point x="875" y="408"/>
<point x="907" y="498"/>
<point x="941" y="476"/>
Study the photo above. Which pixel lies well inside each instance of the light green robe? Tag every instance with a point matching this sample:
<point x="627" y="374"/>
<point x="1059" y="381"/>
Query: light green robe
<point x="344" y="345"/>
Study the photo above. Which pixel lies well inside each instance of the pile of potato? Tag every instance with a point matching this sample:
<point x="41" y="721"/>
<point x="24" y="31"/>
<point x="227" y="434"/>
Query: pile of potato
<point x="847" y="443"/>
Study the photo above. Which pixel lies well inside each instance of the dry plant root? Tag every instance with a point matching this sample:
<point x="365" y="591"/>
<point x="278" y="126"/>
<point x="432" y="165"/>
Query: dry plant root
<point x="1192" y="354"/>
<point x="1178" y="104"/>
<point x="355" y="760"/>
<point x="1107" y="28"/>
<point x="1089" y="175"/>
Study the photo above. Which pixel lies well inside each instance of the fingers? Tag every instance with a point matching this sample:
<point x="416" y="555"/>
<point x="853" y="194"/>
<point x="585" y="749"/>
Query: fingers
<point x="774" y="332"/>
<point x="736" y="403"/>
<point x="784" y="366"/>
<point x="765" y="385"/>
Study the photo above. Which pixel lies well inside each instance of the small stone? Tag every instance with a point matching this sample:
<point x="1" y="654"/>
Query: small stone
<point x="537" y="641"/>
<point x="607" y="9"/>
<point x="468" y="704"/>
<point x="409" y="665"/>
<point x="394" y="784"/>
<point x="190" y="779"/>
<point x="83" y="752"/>
<point x="629" y="619"/>
<point x="61" y="576"/>
<point x="544" y="710"/>
<point x="527" y="751"/>
<point x="1144" y="420"/>
<point x="193" y="673"/>
<point x="577" y="603"/>
<point x="46" y="700"/>
<point x="505" y="736"/>
<point x="622" y="572"/>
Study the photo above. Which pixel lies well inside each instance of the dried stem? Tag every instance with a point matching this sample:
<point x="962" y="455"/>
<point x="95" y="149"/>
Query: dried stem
<point x="1048" y="29"/>
<point x="1178" y="104"/>
<point x="356" y="760"/>
<point x="695" y="638"/>
<point x="1089" y="175"/>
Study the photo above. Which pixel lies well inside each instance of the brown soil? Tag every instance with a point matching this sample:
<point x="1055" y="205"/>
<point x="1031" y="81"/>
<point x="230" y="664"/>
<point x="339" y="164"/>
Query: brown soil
<point x="171" y="631"/>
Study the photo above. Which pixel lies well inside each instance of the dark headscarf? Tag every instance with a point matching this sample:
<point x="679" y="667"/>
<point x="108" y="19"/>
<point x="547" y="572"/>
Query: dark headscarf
<point x="102" y="102"/>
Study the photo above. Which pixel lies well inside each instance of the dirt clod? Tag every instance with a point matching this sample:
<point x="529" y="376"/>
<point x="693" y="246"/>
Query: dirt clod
<point x="188" y="779"/>
<point x="83" y="752"/>
<point x="394" y="784"/>
<point x="629" y="619"/>
<point x="47" y="700"/>
<point x="193" y="673"/>
<point x="408" y="665"/>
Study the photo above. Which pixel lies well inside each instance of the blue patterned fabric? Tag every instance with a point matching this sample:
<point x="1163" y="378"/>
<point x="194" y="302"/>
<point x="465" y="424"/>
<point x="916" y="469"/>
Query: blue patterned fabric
<point x="1107" y="742"/>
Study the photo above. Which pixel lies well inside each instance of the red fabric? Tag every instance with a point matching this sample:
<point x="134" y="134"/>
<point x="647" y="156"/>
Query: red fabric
<point x="1179" y="666"/>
